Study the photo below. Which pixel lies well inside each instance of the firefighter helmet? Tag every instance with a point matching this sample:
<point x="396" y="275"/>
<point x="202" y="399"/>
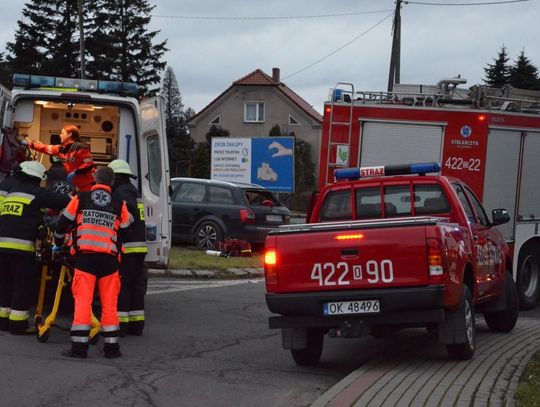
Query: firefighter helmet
<point x="34" y="169"/>
<point x="120" y="167"/>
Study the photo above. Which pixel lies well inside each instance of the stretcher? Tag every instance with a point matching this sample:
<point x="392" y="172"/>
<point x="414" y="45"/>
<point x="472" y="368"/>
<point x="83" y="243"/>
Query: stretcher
<point x="49" y="263"/>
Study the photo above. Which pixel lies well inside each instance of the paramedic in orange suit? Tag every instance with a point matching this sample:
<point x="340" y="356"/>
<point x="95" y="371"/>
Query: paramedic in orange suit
<point x="96" y="220"/>
<point x="75" y="156"/>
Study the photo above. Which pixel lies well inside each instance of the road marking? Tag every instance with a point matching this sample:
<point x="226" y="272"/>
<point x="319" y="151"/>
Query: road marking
<point x="159" y="286"/>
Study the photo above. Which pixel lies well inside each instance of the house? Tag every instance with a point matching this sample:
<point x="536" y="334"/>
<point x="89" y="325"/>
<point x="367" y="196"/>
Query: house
<point x="252" y="105"/>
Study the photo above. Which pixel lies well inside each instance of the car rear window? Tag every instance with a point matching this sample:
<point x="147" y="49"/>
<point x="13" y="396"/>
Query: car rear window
<point x="256" y="197"/>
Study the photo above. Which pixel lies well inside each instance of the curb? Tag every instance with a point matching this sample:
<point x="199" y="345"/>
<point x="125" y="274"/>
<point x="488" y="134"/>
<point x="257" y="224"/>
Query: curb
<point x="232" y="273"/>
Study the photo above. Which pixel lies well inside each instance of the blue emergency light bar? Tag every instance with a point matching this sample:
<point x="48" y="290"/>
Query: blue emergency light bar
<point x="385" y="170"/>
<point x="88" y="85"/>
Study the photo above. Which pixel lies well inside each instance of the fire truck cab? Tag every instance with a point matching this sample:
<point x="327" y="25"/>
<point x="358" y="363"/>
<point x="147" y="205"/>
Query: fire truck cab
<point x="487" y="137"/>
<point x="113" y="123"/>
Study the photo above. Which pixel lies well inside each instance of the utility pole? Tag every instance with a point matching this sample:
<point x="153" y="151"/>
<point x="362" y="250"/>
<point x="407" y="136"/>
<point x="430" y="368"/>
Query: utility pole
<point x="395" y="57"/>
<point x="81" y="37"/>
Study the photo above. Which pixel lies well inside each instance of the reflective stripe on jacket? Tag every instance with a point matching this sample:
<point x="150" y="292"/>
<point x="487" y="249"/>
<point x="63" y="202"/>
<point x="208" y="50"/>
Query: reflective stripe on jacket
<point x="97" y="219"/>
<point x="22" y="202"/>
<point x="135" y="239"/>
<point x="75" y="156"/>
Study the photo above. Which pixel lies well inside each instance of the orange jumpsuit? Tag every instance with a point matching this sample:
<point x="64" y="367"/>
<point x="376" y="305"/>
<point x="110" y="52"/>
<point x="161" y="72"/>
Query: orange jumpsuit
<point x="75" y="156"/>
<point x="97" y="219"/>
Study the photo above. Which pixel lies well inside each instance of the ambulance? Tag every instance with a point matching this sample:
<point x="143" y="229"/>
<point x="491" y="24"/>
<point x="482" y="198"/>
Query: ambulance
<point x="113" y="123"/>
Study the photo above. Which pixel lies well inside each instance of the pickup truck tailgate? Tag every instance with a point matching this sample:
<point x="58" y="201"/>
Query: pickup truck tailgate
<point x="352" y="255"/>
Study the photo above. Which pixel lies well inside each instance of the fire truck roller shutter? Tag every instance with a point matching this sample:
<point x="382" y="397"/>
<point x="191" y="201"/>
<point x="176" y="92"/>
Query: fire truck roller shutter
<point x="405" y="143"/>
<point x="529" y="202"/>
<point x="501" y="174"/>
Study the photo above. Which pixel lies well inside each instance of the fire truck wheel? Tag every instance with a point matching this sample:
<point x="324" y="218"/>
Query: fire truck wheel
<point x="465" y="350"/>
<point x="311" y="354"/>
<point x="528" y="276"/>
<point x="504" y="321"/>
<point x="44" y="337"/>
<point x="207" y="235"/>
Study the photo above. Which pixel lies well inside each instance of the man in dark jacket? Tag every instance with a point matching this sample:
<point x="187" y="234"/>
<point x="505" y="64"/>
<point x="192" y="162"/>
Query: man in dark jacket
<point x="132" y="271"/>
<point x="21" y="203"/>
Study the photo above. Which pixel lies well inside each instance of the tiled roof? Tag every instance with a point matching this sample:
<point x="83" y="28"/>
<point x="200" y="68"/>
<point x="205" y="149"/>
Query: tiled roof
<point x="259" y="78"/>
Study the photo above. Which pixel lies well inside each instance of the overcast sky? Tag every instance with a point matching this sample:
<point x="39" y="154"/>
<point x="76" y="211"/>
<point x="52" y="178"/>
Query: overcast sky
<point x="437" y="41"/>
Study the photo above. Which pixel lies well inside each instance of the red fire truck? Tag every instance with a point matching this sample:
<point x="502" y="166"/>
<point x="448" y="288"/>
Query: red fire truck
<point x="488" y="137"/>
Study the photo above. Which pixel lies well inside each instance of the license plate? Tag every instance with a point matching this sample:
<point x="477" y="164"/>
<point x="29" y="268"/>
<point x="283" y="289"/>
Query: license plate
<point x="274" y="218"/>
<point x="352" y="307"/>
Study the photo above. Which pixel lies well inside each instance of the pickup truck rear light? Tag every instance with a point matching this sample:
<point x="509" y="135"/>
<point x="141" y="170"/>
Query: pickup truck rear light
<point x="247" y="216"/>
<point x="435" y="257"/>
<point x="270" y="271"/>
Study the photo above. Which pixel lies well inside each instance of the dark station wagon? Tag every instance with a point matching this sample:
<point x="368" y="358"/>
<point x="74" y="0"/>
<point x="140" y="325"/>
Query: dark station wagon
<point x="205" y="212"/>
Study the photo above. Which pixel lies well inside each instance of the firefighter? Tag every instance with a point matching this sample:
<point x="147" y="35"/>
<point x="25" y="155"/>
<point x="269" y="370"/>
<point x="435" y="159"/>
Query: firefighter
<point x="21" y="203"/>
<point x="75" y="156"/>
<point x="96" y="221"/>
<point x="132" y="272"/>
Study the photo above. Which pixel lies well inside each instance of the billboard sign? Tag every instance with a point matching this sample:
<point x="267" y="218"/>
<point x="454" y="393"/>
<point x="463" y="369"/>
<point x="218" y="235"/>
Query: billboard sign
<point x="266" y="161"/>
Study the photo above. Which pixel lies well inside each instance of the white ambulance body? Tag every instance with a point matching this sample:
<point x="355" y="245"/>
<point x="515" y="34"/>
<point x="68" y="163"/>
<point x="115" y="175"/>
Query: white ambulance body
<point x="114" y="125"/>
<point x="487" y="137"/>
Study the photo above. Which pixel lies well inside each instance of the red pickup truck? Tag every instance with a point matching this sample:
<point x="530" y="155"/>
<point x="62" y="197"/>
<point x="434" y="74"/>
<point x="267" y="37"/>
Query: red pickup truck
<point x="383" y="253"/>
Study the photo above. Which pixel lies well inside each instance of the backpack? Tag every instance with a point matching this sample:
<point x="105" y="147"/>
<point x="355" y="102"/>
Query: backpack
<point x="235" y="248"/>
<point x="11" y="153"/>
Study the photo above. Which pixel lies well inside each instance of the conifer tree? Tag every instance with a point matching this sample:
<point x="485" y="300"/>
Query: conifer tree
<point x="179" y="141"/>
<point x="28" y="53"/>
<point x="201" y="154"/>
<point x="498" y="73"/>
<point x="120" y="45"/>
<point x="5" y="77"/>
<point x="523" y="74"/>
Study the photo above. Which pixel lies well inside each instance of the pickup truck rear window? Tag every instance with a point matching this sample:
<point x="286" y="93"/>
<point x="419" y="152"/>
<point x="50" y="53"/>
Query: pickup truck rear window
<point x="427" y="198"/>
<point x="337" y="206"/>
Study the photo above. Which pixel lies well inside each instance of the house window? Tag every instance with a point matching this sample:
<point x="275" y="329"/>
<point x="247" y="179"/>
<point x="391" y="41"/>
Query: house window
<point x="293" y="121"/>
<point x="217" y="120"/>
<point x="254" y="112"/>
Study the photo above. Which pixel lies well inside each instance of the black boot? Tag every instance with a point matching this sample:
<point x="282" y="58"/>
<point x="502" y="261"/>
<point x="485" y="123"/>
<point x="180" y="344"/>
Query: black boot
<point x="136" y="328"/>
<point x="112" y="350"/>
<point x="4" y="324"/>
<point x="78" y="350"/>
<point x="124" y="328"/>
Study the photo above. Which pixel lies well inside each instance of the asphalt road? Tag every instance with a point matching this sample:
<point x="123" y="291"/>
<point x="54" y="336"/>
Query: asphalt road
<point x="206" y="344"/>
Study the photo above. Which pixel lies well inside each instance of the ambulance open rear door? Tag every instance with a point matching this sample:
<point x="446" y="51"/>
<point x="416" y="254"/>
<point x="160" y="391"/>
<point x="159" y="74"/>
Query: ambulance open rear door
<point x="155" y="181"/>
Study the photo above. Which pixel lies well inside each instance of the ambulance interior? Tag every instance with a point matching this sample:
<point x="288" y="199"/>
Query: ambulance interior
<point x="98" y="126"/>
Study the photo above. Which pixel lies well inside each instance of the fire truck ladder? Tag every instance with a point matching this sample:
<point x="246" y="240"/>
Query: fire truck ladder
<point x="341" y="95"/>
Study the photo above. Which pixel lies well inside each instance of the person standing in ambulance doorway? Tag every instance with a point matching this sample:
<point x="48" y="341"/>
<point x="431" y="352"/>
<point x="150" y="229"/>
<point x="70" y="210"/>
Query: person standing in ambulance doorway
<point x="96" y="220"/>
<point x="21" y="203"/>
<point x="75" y="156"/>
<point x="132" y="271"/>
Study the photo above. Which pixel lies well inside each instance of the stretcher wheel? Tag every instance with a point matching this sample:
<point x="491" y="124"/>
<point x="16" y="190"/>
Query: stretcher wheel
<point x="44" y="337"/>
<point x="93" y="340"/>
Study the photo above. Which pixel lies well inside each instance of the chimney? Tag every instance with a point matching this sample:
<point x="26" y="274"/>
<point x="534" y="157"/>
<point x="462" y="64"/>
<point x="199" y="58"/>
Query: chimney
<point x="275" y="75"/>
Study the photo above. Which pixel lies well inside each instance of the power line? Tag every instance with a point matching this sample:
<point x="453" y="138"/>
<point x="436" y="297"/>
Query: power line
<point x="274" y="17"/>
<point x="343" y="46"/>
<point x="488" y="3"/>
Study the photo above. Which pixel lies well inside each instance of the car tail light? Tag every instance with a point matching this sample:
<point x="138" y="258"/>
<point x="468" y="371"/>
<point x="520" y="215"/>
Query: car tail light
<point x="247" y="216"/>
<point x="270" y="269"/>
<point x="435" y="257"/>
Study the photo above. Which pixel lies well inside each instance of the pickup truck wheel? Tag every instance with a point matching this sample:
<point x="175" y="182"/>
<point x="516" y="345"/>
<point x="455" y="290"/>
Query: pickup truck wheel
<point x="465" y="350"/>
<point x="504" y="321"/>
<point x="528" y="277"/>
<point x="311" y="354"/>
<point x="207" y="235"/>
